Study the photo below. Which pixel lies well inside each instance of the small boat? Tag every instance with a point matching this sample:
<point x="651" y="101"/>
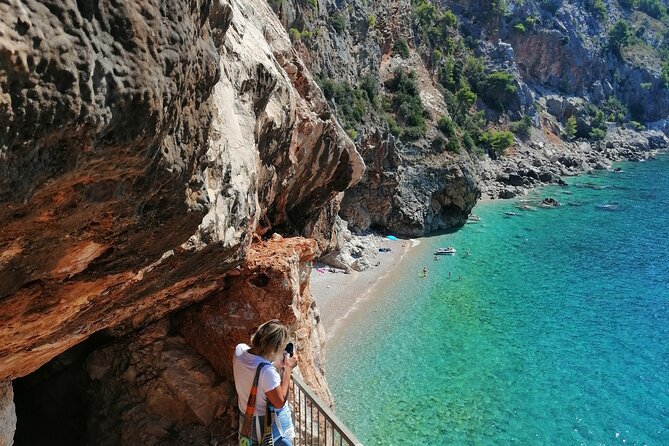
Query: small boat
<point x="511" y="214"/>
<point x="444" y="251"/>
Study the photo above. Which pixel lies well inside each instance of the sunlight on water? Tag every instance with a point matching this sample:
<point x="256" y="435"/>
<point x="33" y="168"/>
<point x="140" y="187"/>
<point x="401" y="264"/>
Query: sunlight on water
<point x="557" y="331"/>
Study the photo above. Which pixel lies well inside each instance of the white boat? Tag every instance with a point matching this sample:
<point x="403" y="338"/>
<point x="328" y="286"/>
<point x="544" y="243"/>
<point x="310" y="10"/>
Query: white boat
<point x="444" y="251"/>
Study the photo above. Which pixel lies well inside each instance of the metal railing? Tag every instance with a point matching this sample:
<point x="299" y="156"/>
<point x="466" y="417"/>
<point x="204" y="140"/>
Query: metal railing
<point x="315" y="423"/>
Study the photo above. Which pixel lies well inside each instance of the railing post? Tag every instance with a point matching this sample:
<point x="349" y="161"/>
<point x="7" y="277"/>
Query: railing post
<point x="302" y="392"/>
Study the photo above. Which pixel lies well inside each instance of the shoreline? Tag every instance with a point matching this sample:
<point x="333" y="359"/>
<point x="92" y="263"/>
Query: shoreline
<point x="542" y="162"/>
<point x="338" y="294"/>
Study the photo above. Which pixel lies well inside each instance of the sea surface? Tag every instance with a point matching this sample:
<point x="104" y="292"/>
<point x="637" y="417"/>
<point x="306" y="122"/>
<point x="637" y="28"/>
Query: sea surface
<point x="546" y="328"/>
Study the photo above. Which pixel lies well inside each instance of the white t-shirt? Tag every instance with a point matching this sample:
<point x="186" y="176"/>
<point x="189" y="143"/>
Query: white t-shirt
<point x="244" y="366"/>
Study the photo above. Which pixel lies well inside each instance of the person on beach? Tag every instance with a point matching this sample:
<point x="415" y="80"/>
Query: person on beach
<point x="267" y="349"/>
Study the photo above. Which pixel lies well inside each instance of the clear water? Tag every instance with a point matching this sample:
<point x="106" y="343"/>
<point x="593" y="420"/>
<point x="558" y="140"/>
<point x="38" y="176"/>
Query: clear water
<point x="557" y="331"/>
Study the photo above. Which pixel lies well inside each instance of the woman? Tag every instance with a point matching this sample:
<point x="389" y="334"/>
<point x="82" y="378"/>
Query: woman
<point x="267" y="346"/>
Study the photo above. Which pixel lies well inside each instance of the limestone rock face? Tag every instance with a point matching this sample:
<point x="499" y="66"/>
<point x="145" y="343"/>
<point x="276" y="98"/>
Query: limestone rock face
<point x="7" y="414"/>
<point x="171" y="383"/>
<point x="410" y="196"/>
<point x="276" y="158"/>
<point x="152" y="386"/>
<point x="142" y="146"/>
<point x="104" y="113"/>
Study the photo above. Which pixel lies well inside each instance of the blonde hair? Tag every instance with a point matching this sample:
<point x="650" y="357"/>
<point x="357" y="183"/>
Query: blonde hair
<point x="270" y="337"/>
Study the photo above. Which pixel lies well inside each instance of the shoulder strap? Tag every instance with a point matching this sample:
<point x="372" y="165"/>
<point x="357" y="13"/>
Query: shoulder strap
<point x="251" y="403"/>
<point x="247" y="424"/>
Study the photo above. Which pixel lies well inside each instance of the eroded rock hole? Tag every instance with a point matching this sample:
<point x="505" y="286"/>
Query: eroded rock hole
<point x="52" y="403"/>
<point x="260" y="280"/>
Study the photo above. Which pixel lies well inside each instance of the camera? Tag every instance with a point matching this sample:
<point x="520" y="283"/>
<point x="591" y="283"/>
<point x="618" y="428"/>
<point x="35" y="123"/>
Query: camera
<point x="289" y="349"/>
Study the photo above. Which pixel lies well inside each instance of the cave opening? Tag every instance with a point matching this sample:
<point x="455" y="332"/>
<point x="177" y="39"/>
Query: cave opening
<point x="52" y="403"/>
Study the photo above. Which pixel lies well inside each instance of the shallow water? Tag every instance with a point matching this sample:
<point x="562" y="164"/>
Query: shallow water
<point x="553" y="327"/>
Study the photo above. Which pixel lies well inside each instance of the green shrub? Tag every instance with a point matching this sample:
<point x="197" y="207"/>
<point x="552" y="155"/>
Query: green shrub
<point x="371" y="21"/>
<point x="598" y="8"/>
<point x="636" y="125"/>
<point x="401" y="48"/>
<point x="597" y="134"/>
<point x="447" y="74"/>
<point x="465" y="99"/>
<point x="294" y="34"/>
<point x="338" y="22"/>
<point x="532" y="21"/>
<point x="615" y="109"/>
<point x="352" y="103"/>
<point x="437" y="55"/>
<point x="620" y="36"/>
<point x="413" y="133"/>
<point x="653" y="8"/>
<point x="519" y="27"/>
<point x="497" y="88"/>
<point x="646" y="85"/>
<point x="522" y="127"/>
<point x="497" y="141"/>
<point x="453" y="145"/>
<point x="406" y="105"/>
<point x="598" y="119"/>
<point x="393" y="126"/>
<point x="446" y="126"/>
<point x="468" y="141"/>
<point x="498" y="8"/>
<point x="570" y="128"/>
<point x="370" y="85"/>
<point x="665" y="74"/>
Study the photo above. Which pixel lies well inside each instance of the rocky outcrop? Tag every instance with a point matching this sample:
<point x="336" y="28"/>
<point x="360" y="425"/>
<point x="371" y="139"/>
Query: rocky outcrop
<point x="170" y="383"/>
<point x="410" y="195"/>
<point x="352" y="252"/>
<point x="142" y="148"/>
<point x="272" y="283"/>
<point x="105" y="113"/>
<point x="286" y="157"/>
<point x="545" y="160"/>
<point x="154" y="388"/>
<point x="7" y="414"/>
<point x="146" y="183"/>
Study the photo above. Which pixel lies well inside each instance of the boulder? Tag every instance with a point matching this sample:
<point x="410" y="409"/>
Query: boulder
<point x="507" y="193"/>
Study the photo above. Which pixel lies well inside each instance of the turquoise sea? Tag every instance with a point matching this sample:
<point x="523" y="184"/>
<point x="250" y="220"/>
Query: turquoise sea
<point x="557" y="331"/>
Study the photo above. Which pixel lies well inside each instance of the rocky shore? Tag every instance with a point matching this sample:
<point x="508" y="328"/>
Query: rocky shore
<point x="545" y="159"/>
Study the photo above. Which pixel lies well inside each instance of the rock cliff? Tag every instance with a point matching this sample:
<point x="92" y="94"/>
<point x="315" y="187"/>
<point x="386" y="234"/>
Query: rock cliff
<point x="481" y="68"/>
<point x="143" y="147"/>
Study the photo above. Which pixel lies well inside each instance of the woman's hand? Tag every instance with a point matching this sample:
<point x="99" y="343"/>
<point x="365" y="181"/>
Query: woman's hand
<point x="289" y="362"/>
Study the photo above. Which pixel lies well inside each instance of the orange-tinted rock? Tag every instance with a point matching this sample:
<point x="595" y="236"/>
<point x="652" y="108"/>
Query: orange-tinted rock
<point x="272" y="284"/>
<point x="151" y="386"/>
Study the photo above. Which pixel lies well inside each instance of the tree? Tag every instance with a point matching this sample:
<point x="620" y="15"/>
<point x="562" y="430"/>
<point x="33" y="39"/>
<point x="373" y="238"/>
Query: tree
<point x="446" y="126"/>
<point x="466" y="98"/>
<point x="497" y="88"/>
<point x="620" y="36"/>
<point x="570" y="129"/>
<point x="497" y="141"/>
